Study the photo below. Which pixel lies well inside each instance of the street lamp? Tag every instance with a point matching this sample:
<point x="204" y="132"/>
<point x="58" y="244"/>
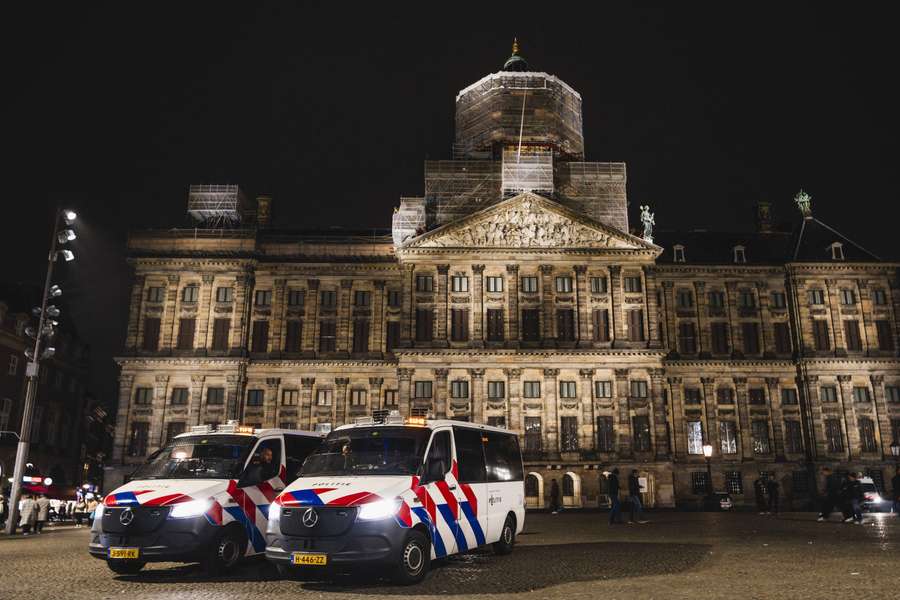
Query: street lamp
<point x="46" y="314"/>
<point x="707" y="452"/>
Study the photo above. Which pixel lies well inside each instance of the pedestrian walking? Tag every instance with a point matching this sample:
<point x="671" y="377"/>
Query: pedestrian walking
<point x="80" y="508"/>
<point x="772" y="494"/>
<point x="554" y="497"/>
<point x="43" y="513"/>
<point x="634" y="497"/>
<point x="27" y="514"/>
<point x="759" y="490"/>
<point x="832" y="497"/>
<point x="895" y="490"/>
<point x="615" y="511"/>
<point x="852" y="494"/>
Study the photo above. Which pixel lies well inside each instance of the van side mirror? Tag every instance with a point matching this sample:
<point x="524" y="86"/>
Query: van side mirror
<point x="435" y="470"/>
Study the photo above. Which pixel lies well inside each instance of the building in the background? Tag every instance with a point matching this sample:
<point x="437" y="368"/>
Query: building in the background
<point x="513" y="293"/>
<point x="57" y="440"/>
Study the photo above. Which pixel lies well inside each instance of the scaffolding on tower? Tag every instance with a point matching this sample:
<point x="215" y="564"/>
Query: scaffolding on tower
<point x="216" y="205"/>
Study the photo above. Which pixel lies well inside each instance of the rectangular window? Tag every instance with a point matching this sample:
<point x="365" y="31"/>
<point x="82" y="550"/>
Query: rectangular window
<point x="530" y="284"/>
<point x="495" y="325"/>
<point x="687" y="338"/>
<point x="641" y="428"/>
<point x="496" y="390"/>
<point x="632" y="284"/>
<point x="684" y="298"/>
<point x="459" y="324"/>
<point x="424" y="283"/>
<point x="851" y="335"/>
<point x="779" y="300"/>
<point x="716" y="299"/>
<point x="422" y="389"/>
<point x="393" y="335"/>
<point x="260" y="338"/>
<point x="885" y="335"/>
<point x="750" y="333"/>
<point x="694" y="437"/>
<point x="861" y="394"/>
<point x="598" y="285"/>
<point x="734" y="483"/>
<point x="531" y="325"/>
<point x="293" y="338"/>
<point x="224" y="294"/>
<point x="395" y="298"/>
<point x="362" y="298"/>
<point x="817" y="297"/>
<point x="533" y="441"/>
<point x="190" y="294"/>
<point x="603" y="389"/>
<point x="757" y="396"/>
<point x="793" y="438"/>
<point x="606" y="440"/>
<point x="895" y="431"/>
<point x="760" y="434"/>
<point x="638" y="388"/>
<point x="879" y="297"/>
<point x="324" y="397"/>
<point x="156" y="294"/>
<point x="327" y="299"/>
<point x="725" y="395"/>
<point x="221" y="328"/>
<point x="360" y="336"/>
<point x="296" y="297"/>
<point x="359" y="397"/>
<point x="601" y="325"/>
<point x="719" y="333"/>
<point x="747" y="299"/>
<point x="137" y="440"/>
<point x="567" y="389"/>
<point x="834" y="436"/>
<point x="327" y="336"/>
<point x="568" y="431"/>
<point x="179" y="396"/>
<point x="391" y="397"/>
<point x="143" y="396"/>
<point x="531" y="389"/>
<point x="848" y="297"/>
<point x="636" y="325"/>
<point x="13" y="367"/>
<point x="459" y="388"/>
<point x="186" y="334"/>
<point x="564" y="285"/>
<point x="782" y="338"/>
<point x="215" y="396"/>
<point x="151" y="335"/>
<point x="174" y="428"/>
<point x="892" y="393"/>
<point x="565" y="324"/>
<point x="867" y="434"/>
<point x="788" y="396"/>
<point x="494" y="284"/>
<point x="470" y="455"/>
<point x="424" y="324"/>
<point x="255" y="397"/>
<point x="728" y="437"/>
<point x="497" y="422"/>
<point x="820" y="335"/>
<point x="692" y="396"/>
<point x="828" y="393"/>
<point x="699" y="482"/>
<point x="263" y="298"/>
<point x="459" y="283"/>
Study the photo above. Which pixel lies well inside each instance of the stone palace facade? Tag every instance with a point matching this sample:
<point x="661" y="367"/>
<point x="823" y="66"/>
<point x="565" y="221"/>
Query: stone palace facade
<point x="513" y="293"/>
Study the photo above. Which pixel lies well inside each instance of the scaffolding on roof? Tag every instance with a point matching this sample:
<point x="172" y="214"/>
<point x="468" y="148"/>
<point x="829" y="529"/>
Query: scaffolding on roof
<point x="527" y="169"/>
<point x="455" y="188"/>
<point x="216" y="205"/>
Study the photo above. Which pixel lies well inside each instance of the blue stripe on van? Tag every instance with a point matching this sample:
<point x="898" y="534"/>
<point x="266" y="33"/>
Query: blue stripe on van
<point x="439" y="549"/>
<point x="461" y="544"/>
<point x="473" y="522"/>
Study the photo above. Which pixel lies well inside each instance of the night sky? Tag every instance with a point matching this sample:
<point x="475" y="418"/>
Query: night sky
<point x="332" y="108"/>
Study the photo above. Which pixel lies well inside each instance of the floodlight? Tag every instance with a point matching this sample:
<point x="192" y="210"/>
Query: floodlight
<point x="55" y="291"/>
<point x="66" y="254"/>
<point x="48" y="352"/>
<point x="52" y="311"/>
<point x="66" y="235"/>
<point x="69" y="216"/>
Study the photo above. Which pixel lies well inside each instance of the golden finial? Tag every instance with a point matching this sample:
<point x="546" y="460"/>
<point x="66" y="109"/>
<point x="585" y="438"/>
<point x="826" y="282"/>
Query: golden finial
<point x="515" y="45"/>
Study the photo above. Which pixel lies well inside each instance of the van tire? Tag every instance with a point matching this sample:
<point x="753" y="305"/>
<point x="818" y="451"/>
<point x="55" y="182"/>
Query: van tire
<point x="226" y="551"/>
<point x="507" y="537"/>
<point x="125" y="567"/>
<point x="414" y="560"/>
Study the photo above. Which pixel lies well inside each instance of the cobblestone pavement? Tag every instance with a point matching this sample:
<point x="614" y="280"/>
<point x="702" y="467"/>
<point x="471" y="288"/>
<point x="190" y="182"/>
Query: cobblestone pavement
<point x="572" y="556"/>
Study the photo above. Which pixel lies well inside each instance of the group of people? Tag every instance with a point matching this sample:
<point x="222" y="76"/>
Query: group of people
<point x="36" y="510"/>
<point x="615" y="514"/>
<point x="766" y="490"/>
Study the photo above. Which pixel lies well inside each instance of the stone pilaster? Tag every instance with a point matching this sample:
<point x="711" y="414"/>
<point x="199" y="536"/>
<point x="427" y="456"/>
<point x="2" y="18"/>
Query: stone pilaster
<point x="195" y="408"/>
<point x="669" y="311"/>
<point x="170" y="313"/>
<point x="343" y="320"/>
<point x="623" y="431"/>
<point x="311" y="318"/>
<point x="742" y="403"/>
<point x="408" y="315"/>
<point x="709" y="411"/>
<point x="776" y="421"/>
<point x="582" y="309"/>
<point x="512" y="298"/>
<point x="270" y="401"/>
<point x="551" y="410"/>
<point x="737" y="335"/>
<point x="703" y="341"/>
<point x="679" y="434"/>
<point x="440" y="393"/>
<point x="404" y="378"/>
<point x="238" y="338"/>
<point x="653" y="335"/>
<point x="837" y="328"/>
<point x="279" y="308"/>
<point x="616" y="306"/>
<point x="817" y="433"/>
<point x="882" y="418"/>
<point x="135" y="330"/>
<point x="441" y="306"/>
<point x="340" y="400"/>
<point x="378" y="316"/>
<point x="851" y="433"/>
<point x="157" y="423"/>
<point x="548" y="296"/>
<point x="123" y="417"/>
<point x="477" y="379"/>
<point x="375" y="395"/>
<point x="478" y="306"/>
<point x="767" y="333"/>
<point x="659" y="414"/>
<point x="306" y="402"/>
<point x="588" y="425"/>
<point x="514" y="419"/>
<point x="235" y="396"/>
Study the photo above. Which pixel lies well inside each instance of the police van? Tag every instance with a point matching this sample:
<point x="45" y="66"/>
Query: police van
<point x="203" y="497"/>
<point x="398" y="493"/>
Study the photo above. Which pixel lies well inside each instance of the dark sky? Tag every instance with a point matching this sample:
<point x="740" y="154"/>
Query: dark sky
<point x="332" y="108"/>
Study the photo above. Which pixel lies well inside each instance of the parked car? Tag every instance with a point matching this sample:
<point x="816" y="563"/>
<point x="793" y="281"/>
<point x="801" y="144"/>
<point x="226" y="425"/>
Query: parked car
<point x="873" y="500"/>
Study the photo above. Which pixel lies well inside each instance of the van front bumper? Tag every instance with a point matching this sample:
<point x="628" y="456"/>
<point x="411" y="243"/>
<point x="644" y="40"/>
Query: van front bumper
<point x="175" y="540"/>
<point x="366" y="543"/>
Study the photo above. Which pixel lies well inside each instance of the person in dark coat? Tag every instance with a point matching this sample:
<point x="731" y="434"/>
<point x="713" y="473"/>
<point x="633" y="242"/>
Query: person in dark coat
<point x="554" y="497"/>
<point x="852" y="495"/>
<point x="615" y="511"/>
<point x="759" y="490"/>
<point x="634" y="498"/>
<point x="895" y="490"/>
<point x="832" y="497"/>
<point x="772" y="493"/>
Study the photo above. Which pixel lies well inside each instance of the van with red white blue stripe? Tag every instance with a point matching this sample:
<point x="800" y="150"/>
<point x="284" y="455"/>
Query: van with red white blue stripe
<point x="398" y="492"/>
<point x="204" y="497"/>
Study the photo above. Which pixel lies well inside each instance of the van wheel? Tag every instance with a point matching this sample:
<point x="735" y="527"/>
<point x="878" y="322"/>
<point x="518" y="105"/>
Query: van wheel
<point x="507" y="537"/>
<point x="125" y="567"/>
<point x="415" y="558"/>
<point x="226" y="551"/>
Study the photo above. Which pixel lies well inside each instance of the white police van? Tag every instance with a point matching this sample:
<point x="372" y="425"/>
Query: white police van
<point x="398" y="493"/>
<point x="203" y="497"/>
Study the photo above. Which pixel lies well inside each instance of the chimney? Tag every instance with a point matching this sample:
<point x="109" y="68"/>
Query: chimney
<point x="263" y="211"/>
<point x="764" y="217"/>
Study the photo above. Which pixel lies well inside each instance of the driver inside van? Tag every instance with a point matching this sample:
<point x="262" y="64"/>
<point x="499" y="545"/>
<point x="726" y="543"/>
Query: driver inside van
<point x="262" y="467"/>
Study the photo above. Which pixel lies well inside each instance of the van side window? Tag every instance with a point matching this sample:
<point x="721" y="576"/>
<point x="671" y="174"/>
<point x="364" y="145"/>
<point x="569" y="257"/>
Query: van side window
<point x="297" y="448"/>
<point x="469" y="454"/>
<point x="265" y="462"/>
<point x="501" y="452"/>
<point x="439" y="453"/>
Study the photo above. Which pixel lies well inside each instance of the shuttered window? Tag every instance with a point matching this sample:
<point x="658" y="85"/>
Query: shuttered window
<point x="636" y="325"/>
<point x="151" y="334"/>
<point x="495" y="324"/>
<point x="459" y="325"/>
<point x="293" y="336"/>
<point x="601" y="324"/>
<point x="260" y="341"/>
<point x="186" y="334"/>
<point x="221" y="328"/>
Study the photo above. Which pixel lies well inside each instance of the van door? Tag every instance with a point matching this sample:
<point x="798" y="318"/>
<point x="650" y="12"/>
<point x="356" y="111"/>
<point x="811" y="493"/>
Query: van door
<point x="438" y="506"/>
<point x="261" y="481"/>
<point x="505" y="480"/>
<point x="471" y="491"/>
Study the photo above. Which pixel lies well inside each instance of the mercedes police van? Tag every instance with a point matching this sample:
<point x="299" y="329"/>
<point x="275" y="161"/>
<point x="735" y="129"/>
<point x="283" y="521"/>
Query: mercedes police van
<point x="397" y="493"/>
<point x="204" y="497"/>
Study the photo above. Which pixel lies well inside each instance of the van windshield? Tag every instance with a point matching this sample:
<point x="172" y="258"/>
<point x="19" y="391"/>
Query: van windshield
<point x="369" y="451"/>
<point x="198" y="457"/>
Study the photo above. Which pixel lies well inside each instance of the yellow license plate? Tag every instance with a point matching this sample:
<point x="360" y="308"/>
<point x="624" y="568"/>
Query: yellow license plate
<point x="124" y="552"/>
<point x="303" y="558"/>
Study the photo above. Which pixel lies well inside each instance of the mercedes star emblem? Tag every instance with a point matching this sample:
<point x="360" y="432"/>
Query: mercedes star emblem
<point x="126" y="517"/>
<point x="310" y="517"/>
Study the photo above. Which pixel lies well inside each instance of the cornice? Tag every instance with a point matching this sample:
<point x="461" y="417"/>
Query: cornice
<point x="537" y="352"/>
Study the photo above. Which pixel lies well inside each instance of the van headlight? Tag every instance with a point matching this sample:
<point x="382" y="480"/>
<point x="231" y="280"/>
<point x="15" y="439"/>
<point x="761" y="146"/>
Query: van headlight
<point x="194" y="508"/>
<point x="274" y="518"/>
<point x="381" y="509"/>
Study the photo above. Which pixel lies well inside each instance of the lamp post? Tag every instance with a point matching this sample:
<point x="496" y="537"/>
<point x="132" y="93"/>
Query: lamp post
<point x="707" y="453"/>
<point x="46" y="314"/>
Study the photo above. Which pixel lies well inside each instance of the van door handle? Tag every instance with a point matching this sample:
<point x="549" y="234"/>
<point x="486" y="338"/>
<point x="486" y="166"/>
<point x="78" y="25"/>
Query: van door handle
<point x="451" y="487"/>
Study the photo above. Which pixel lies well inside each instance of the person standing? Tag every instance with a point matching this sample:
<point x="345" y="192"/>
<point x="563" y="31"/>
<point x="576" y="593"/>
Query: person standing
<point x="634" y="497"/>
<point x="832" y="497"/>
<point x="615" y="510"/>
<point x="895" y="490"/>
<point x="80" y="507"/>
<point x="43" y="513"/>
<point x="772" y="493"/>
<point x="759" y="490"/>
<point x="853" y="496"/>
<point x="27" y="514"/>
<point x="3" y="510"/>
<point x="554" y="497"/>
